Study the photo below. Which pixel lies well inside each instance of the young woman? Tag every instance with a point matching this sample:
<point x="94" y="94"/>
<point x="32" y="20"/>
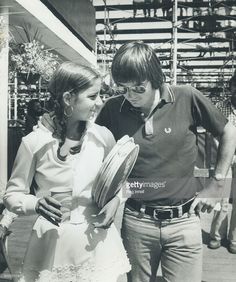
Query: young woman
<point x="65" y="244"/>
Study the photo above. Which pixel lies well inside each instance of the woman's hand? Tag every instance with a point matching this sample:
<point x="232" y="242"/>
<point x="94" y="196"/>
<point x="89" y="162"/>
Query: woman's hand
<point x="109" y="210"/>
<point x="49" y="208"/>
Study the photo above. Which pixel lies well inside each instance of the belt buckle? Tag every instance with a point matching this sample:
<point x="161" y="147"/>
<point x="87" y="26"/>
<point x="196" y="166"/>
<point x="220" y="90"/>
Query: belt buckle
<point x="156" y="212"/>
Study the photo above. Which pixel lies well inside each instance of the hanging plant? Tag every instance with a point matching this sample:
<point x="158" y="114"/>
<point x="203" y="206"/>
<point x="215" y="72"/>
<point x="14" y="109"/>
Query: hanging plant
<point x="32" y="58"/>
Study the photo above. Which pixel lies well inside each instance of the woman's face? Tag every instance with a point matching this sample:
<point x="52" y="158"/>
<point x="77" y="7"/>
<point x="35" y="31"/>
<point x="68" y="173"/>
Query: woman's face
<point x="87" y="103"/>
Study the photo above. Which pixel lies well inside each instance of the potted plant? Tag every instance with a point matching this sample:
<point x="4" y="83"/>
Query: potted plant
<point x="32" y="60"/>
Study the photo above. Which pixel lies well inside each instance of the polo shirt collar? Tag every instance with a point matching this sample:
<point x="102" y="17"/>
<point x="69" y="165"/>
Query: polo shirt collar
<point x="166" y="93"/>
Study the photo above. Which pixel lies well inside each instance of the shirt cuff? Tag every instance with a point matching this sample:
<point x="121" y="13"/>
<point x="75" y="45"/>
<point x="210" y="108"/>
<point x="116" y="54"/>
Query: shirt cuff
<point x="21" y="204"/>
<point x="30" y="204"/>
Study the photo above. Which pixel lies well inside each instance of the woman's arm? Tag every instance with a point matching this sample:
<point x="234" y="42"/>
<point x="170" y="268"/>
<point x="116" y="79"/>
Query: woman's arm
<point x="17" y="198"/>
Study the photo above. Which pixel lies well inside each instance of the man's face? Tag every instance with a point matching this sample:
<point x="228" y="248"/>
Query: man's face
<point x="37" y="108"/>
<point x="139" y="99"/>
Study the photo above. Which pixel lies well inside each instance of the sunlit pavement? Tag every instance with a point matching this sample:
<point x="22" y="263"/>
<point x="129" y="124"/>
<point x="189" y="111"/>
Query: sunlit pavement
<point x="218" y="265"/>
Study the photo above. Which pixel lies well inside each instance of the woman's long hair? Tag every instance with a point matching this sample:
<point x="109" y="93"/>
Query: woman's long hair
<point x="73" y="78"/>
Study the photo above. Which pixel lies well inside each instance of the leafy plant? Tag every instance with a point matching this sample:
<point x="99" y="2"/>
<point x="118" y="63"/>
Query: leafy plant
<point x="32" y="57"/>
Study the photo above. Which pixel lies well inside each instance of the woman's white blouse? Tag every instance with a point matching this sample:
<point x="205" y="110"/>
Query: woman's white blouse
<point x="37" y="157"/>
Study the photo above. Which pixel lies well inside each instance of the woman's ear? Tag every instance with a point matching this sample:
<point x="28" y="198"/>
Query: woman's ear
<point x="67" y="98"/>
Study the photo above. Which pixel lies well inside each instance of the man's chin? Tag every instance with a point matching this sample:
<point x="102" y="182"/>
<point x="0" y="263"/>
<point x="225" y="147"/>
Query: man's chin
<point x="135" y="104"/>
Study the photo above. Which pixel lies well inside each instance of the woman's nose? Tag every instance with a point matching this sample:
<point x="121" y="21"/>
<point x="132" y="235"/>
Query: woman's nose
<point x="99" y="102"/>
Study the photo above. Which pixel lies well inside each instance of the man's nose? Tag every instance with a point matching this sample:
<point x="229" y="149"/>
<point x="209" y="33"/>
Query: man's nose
<point x="130" y="92"/>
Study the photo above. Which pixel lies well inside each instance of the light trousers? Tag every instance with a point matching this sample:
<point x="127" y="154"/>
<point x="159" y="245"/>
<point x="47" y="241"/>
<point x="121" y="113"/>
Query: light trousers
<point x="175" y="243"/>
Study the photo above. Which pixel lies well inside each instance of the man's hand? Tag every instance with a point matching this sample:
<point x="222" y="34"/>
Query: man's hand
<point x="49" y="208"/>
<point x="109" y="210"/>
<point x="208" y="197"/>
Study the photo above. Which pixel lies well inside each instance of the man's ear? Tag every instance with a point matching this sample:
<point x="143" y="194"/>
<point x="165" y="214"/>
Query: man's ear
<point x="66" y="97"/>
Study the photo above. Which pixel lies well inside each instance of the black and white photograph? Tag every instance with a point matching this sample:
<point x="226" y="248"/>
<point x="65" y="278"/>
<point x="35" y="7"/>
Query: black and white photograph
<point x="117" y="140"/>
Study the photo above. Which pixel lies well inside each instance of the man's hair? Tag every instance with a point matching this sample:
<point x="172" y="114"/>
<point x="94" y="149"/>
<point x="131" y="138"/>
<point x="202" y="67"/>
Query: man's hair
<point x="137" y="62"/>
<point x="232" y="80"/>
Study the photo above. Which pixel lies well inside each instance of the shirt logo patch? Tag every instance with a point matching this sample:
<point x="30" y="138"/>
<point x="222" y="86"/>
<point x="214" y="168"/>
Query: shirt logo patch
<point x="167" y="130"/>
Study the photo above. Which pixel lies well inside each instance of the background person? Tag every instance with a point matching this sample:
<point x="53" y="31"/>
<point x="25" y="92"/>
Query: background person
<point x="34" y="111"/>
<point x="139" y="4"/>
<point x="156" y="5"/>
<point x="148" y="6"/>
<point x="167" y="6"/>
<point x="64" y="244"/>
<point x="162" y="225"/>
<point x="219" y="224"/>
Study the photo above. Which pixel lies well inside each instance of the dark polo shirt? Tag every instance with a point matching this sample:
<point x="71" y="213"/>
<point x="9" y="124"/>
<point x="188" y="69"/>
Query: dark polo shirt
<point x="166" y="159"/>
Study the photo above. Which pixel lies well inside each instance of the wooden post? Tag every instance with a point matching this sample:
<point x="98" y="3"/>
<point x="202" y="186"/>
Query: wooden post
<point x="4" y="19"/>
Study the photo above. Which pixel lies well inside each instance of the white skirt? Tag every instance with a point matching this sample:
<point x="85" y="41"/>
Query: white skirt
<point x="74" y="253"/>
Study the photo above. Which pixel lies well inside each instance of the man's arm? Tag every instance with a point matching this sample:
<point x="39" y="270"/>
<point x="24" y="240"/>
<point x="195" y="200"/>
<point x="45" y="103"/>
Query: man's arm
<point x="226" y="149"/>
<point x="208" y="197"/>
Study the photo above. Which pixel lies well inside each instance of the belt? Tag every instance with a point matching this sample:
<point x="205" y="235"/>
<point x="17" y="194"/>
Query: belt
<point x="160" y="213"/>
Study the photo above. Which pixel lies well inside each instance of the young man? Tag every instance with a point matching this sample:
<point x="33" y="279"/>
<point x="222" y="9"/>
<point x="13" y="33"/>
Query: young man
<point x="219" y="223"/>
<point x="161" y="222"/>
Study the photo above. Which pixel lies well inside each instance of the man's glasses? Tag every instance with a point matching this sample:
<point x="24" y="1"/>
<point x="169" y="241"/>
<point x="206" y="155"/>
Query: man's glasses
<point x="122" y="90"/>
